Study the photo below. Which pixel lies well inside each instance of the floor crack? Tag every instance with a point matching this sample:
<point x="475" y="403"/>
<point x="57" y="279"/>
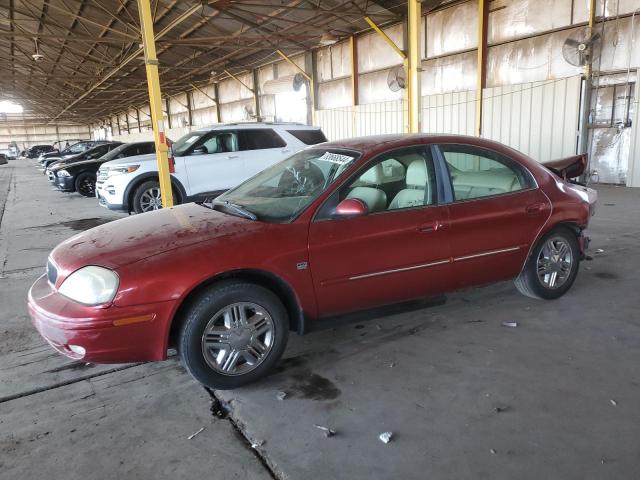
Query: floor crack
<point x="223" y="410"/>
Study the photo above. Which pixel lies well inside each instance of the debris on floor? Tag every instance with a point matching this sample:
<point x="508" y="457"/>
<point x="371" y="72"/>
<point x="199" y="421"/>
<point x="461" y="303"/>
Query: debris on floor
<point x="281" y="395"/>
<point x="257" y="444"/>
<point x="493" y="451"/>
<point x="502" y="408"/>
<point x="510" y="324"/>
<point x="386" y="437"/>
<point x="195" y="433"/>
<point x="613" y="402"/>
<point x="599" y="250"/>
<point x="392" y="364"/>
<point x="327" y="431"/>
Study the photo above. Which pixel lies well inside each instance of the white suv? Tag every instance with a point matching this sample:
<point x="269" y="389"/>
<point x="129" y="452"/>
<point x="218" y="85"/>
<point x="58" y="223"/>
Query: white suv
<point x="207" y="163"/>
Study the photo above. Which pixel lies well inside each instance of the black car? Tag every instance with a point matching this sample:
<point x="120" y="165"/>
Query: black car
<point x="82" y="146"/>
<point x="36" y="150"/>
<point x="3" y="159"/>
<point x="81" y="176"/>
<point x="91" y="154"/>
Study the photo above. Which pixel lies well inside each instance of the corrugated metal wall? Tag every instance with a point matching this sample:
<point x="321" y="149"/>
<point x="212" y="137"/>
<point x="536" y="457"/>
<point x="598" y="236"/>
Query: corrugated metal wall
<point x="539" y="118"/>
<point x="27" y="135"/>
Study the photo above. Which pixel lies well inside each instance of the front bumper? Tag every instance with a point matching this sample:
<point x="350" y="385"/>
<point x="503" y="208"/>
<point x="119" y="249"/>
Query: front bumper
<point x="106" y="335"/>
<point x="109" y="200"/>
<point x="66" y="184"/>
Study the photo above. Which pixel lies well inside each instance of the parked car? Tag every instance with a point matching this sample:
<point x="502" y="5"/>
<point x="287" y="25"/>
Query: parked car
<point x="70" y="151"/>
<point x="207" y="162"/>
<point x="3" y="159"/>
<point x="80" y="176"/>
<point x="335" y="228"/>
<point x="91" y="154"/>
<point x="36" y="150"/>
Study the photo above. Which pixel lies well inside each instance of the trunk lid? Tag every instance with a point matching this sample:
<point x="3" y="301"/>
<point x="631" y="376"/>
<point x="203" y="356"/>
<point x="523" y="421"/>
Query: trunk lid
<point x="569" y="167"/>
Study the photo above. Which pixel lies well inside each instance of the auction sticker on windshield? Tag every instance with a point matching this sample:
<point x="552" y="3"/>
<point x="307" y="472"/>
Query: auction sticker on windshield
<point x="336" y="158"/>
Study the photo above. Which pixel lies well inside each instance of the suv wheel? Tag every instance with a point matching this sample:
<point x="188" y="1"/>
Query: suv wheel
<point x="86" y="184"/>
<point x="233" y="334"/>
<point x="147" y="197"/>
<point x="552" y="267"/>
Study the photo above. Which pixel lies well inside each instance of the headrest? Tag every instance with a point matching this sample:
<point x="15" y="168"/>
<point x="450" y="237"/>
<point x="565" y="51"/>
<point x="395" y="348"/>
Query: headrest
<point x="372" y="176"/>
<point x="417" y="174"/>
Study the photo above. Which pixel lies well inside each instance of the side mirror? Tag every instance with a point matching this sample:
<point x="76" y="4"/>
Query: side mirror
<point x="200" y="151"/>
<point x="351" y="207"/>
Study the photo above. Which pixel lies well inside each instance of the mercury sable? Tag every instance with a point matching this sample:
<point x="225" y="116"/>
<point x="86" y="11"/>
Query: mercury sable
<point x="337" y="227"/>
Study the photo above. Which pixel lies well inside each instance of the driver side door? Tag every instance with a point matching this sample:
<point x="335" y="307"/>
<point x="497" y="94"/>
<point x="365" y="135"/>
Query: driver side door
<point x="397" y="252"/>
<point x="214" y="163"/>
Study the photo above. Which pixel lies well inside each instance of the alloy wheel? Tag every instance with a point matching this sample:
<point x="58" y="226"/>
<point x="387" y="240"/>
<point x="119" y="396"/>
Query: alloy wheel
<point x="554" y="263"/>
<point x="151" y="199"/>
<point x="87" y="187"/>
<point x="238" y="338"/>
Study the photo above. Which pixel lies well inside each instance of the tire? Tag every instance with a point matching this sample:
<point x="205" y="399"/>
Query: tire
<point x="544" y="285"/>
<point x="147" y="197"/>
<point x="85" y="184"/>
<point x="220" y="359"/>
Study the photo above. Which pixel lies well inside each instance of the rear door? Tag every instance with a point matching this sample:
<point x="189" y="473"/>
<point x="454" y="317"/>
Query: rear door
<point x="496" y="213"/>
<point x="261" y="148"/>
<point x="399" y="251"/>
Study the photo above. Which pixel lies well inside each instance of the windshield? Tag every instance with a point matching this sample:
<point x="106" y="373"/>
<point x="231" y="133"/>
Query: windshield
<point x="77" y="148"/>
<point x="110" y="155"/>
<point x="183" y="144"/>
<point x="282" y="191"/>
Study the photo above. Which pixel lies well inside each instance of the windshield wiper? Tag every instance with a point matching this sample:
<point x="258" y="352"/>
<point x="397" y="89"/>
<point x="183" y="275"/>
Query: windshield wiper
<point x="238" y="209"/>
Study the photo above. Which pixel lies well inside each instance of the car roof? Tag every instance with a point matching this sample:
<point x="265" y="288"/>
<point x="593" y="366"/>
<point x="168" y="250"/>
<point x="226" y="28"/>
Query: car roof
<point x="251" y="125"/>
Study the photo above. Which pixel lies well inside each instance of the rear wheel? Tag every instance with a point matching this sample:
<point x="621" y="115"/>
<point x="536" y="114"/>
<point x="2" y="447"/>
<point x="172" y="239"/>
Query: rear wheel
<point x="86" y="184"/>
<point x="233" y="334"/>
<point x="552" y="267"/>
<point x="147" y="197"/>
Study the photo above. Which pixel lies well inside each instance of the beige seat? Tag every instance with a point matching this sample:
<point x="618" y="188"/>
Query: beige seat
<point x="417" y="187"/>
<point x="469" y="185"/>
<point x="375" y="198"/>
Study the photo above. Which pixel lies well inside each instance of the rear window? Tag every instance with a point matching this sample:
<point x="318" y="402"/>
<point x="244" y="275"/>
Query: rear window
<point x="309" y="137"/>
<point x="259" y="139"/>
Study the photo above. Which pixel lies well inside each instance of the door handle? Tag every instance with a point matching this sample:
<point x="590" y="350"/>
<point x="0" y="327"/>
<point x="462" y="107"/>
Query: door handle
<point x="431" y="227"/>
<point x="232" y="156"/>
<point x="286" y="150"/>
<point x="534" y="208"/>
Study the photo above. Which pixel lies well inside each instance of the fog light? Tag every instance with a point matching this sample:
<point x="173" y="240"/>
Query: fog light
<point x="111" y="191"/>
<point x="78" y="350"/>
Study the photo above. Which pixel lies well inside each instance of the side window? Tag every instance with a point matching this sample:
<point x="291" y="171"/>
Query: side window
<point x="259" y="139"/>
<point x="400" y="179"/>
<point x="477" y="173"/>
<point x="146" y="148"/>
<point x="219" y="142"/>
<point x="309" y="136"/>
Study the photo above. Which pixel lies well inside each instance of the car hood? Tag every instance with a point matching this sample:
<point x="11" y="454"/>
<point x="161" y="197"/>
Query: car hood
<point x="74" y="162"/>
<point x="122" y="242"/>
<point x="149" y="157"/>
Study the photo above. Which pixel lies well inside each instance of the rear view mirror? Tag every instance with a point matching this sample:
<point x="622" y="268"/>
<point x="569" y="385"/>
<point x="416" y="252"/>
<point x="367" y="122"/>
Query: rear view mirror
<point x="351" y="207"/>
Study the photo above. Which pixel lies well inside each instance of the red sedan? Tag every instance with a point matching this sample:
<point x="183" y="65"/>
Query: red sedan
<point x="335" y="228"/>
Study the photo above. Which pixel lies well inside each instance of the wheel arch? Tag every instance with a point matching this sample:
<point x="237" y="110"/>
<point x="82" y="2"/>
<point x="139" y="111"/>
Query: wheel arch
<point x="572" y="225"/>
<point x="259" y="277"/>
<point x="130" y="191"/>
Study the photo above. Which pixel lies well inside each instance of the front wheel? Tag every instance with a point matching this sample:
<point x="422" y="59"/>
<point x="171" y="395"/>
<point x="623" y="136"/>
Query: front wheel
<point x="86" y="184"/>
<point x="147" y="197"/>
<point x="233" y="334"/>
<point x="552" y="267"/>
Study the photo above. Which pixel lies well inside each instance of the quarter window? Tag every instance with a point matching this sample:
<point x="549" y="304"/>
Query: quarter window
<point x="477" y="173"/>
<point x="309" y="137"/>
<point x="400" y="179"/>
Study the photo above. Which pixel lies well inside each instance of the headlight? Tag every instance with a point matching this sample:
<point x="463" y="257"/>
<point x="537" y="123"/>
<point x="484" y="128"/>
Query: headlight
<point x="123" y="169"/>
<point x="63" y="173"/>
<point x="90" y="285"/>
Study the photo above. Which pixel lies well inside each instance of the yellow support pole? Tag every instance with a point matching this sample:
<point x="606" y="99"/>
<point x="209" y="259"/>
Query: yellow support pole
<point x="155" y="101"/>
<point x="481" y="69"/>
<point x="414" y="65"/>
<point x="405" y="62"/>
<point x="309" y="78"/>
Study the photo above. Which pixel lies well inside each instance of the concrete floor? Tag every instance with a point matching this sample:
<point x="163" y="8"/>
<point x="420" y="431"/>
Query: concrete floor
<point x="555" y="397"/>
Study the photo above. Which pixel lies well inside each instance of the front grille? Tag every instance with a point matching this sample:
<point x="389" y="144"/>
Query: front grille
<point x="103" y="174"/>
<point x="52" y="273"/>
